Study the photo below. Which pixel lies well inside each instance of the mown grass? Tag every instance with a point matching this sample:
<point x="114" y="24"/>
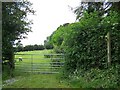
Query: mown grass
<point x="28" y="57"/>
<point x="94" y="78"/>
<point x="33" y="61"/>
<point x="38" y="81"/>
<point x="31" y="80"/>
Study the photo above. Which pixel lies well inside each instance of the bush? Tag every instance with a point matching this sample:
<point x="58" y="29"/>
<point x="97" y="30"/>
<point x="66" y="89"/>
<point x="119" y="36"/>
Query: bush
<point x="96" y="78"/>
<point x="58" y="50"/>
<point x="85" y="45"/>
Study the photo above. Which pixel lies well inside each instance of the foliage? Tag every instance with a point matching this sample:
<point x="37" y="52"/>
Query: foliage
<point x="85" y="42"/>
<point x="33" y="47"/>
<point x="48" y="44"/>
<point x="30" y="48"/>
<point x="38" y="47"/>
<point x="101" y="7"/>
<point x="85" y="45"/>
<point x="14" y="26"/>
<point x="57" y="38"/>
<point x="96" y="78"/>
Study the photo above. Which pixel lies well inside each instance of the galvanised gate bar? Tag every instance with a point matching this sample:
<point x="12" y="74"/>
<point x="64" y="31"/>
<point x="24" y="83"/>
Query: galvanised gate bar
<point x="39" y="63"/>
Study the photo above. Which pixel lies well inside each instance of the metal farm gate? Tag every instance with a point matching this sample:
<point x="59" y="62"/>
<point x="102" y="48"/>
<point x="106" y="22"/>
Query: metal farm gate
<point x="37" y="63"/>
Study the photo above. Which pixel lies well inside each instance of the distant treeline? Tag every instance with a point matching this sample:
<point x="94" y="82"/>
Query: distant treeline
<point x="32" y="47"/>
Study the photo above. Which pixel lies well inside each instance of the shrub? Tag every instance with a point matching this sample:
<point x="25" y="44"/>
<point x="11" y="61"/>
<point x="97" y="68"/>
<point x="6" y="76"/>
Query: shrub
<point x="85" y="45"/>
<point x="96" y="78"/>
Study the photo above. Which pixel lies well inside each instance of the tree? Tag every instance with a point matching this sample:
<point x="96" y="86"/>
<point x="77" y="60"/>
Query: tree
<point x="38" y="47"/>
<point x="101" y="7"/>
<point x="47" y="43"/>
<point x="28" y="48"/>
<point x="18" y="47"/>
<point x="57" y="38"/>
<point x="14" y="26"/>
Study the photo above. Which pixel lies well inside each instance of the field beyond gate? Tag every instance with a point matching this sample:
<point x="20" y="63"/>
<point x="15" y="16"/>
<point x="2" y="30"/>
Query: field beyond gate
<point x="38" y="62"/>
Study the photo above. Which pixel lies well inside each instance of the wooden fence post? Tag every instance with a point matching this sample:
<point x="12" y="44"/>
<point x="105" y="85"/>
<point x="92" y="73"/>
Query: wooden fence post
<point x="109" y="48"/>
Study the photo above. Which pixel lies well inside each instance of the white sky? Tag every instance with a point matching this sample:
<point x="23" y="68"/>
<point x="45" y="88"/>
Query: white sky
<point x="50" y="14"/>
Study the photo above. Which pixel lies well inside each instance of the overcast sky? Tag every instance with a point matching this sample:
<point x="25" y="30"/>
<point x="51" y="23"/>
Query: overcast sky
<point x="50" y="14"/>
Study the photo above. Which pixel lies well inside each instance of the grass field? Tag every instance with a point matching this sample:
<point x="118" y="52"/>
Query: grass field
<point x="38" y="81"/>
<point x="31" y="80"/>
<point x="35" y="61"/>
<point x="28" y="57"/>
